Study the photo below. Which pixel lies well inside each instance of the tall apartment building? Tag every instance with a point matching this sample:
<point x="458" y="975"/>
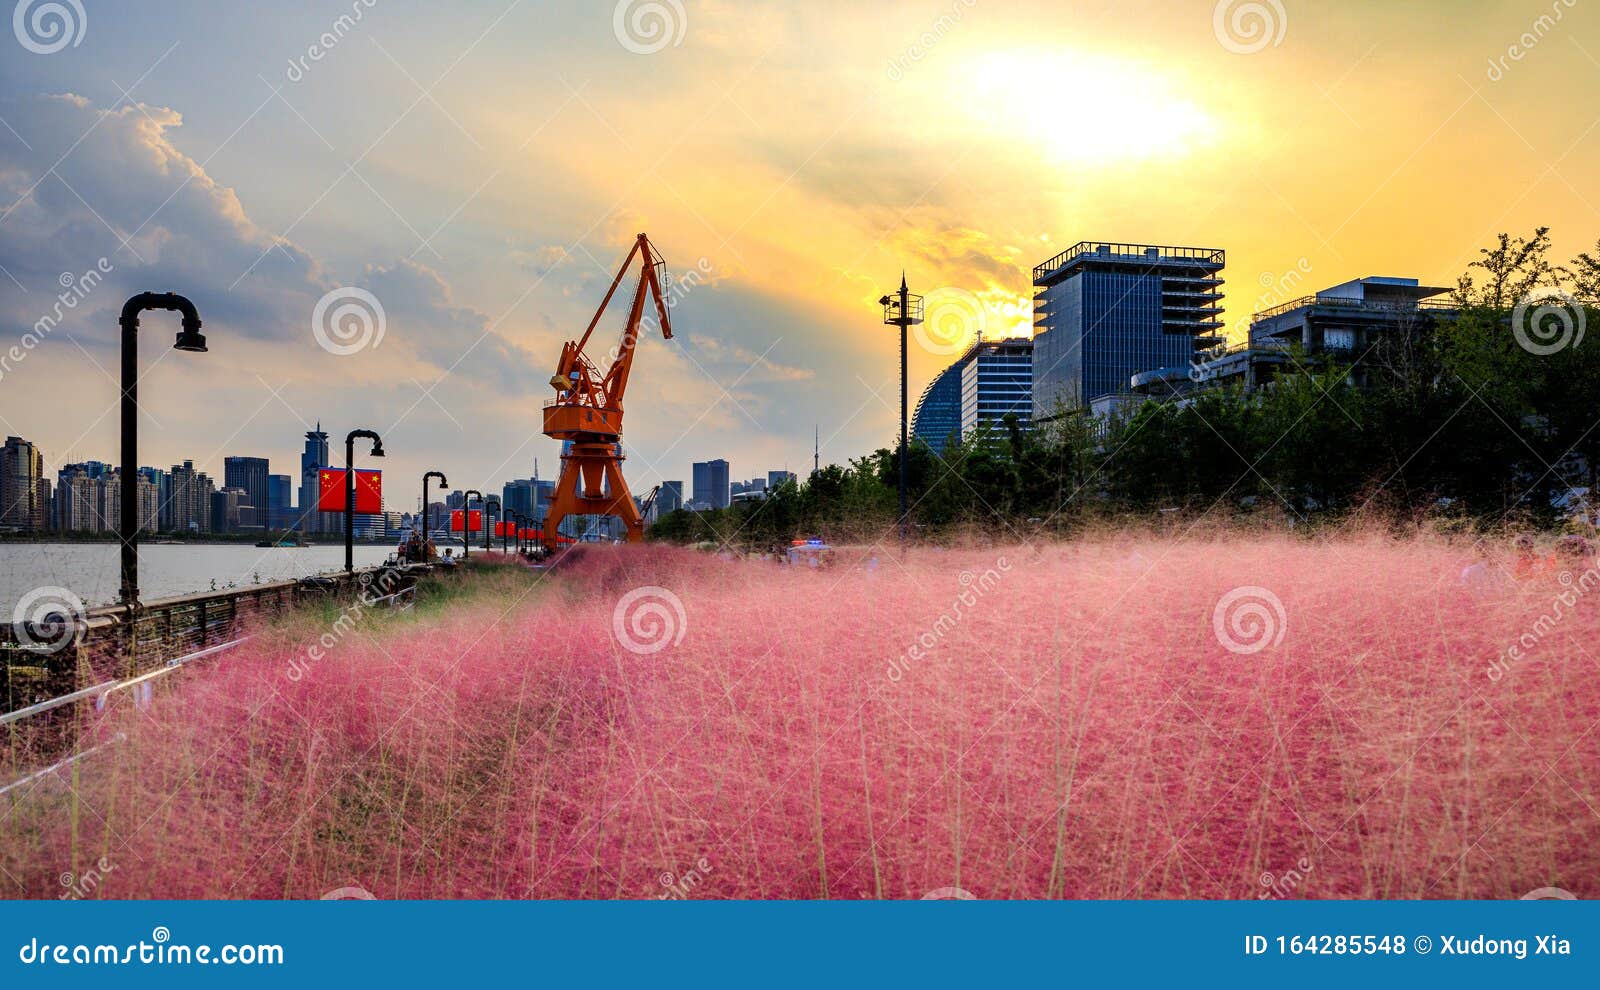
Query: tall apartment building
<point x="711" y="483"/>
<point x="996" y="380"/>
<point x="313" y="458"/>
<point x="191" y="499"/>
<point x="149" y="498"/>
<point x="670" y="498"/>
<point x="280" y="501"/>
<point x="79" y="500"/>
<point x="1104" y="312"/>
<point x="24" y="490"/>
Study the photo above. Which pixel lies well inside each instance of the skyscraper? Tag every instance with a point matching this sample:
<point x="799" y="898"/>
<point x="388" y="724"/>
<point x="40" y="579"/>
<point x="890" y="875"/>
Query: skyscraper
<point x="1105" y="312"/>
<point x="711" y="483"/>
<point x="670" y="498"/>
<point x="938" y="415"/>
<point x="280" y="508"/>
<point x="21" y="471"/>
<point x="313" y="458"/>
<point x="250" y="474"/>
<point x="191" y="499"/>
<point x="996" y="381"/>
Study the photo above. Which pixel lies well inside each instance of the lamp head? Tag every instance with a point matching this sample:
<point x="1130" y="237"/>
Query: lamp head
<point x="377" y="448"/>
<point x="190" y="338"/>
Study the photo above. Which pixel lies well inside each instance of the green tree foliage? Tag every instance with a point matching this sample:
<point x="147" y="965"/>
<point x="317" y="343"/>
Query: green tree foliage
<point x="1451" y="414"/>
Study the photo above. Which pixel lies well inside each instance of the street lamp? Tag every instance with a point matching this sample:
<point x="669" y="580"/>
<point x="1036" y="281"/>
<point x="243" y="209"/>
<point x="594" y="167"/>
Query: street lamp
<point x="426" y="535"/>
<point x="350" y="492"/>
<point x="493" y="500"/>
<point x="902" y="311"/>
<point x="189" y="339"/>
<point x="466" y="519"/>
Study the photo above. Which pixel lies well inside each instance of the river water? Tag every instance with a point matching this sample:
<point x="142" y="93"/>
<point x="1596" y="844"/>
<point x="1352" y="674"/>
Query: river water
<point x="90" y="570"/>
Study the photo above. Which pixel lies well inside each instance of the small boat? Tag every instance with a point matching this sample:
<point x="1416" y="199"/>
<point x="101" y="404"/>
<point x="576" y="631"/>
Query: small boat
<point x="285" y="542"/>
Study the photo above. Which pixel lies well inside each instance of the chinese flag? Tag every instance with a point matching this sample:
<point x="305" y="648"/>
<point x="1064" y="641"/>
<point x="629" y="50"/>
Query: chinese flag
<point x="475" y="520"/>
<point x="369" y="491"/>
<point x="455" y="521"/>
<point x="330" y="490"/>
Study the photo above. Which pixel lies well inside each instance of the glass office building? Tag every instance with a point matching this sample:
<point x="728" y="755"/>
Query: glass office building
<point x="1104" y="312"/>
<point x="996" y="379"/>
<point x="938" y="414"/>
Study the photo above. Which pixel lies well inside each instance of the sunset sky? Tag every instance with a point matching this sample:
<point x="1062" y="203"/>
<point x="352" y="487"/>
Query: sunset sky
<point x="481" y="167"/>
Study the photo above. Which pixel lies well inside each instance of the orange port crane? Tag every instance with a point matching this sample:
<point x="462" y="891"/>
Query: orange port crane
<point x="587" y="411"/>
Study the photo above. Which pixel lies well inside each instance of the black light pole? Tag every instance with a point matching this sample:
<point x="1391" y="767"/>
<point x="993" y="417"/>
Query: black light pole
<point x="426" y="522"/>
<point x="350" y="492"/>
<point x="189" y="339"/>
<point x="493" y="500"/>
<point x="902" y="312"/>
<point x="466" y="519"/>
<point x="506" y="516"/>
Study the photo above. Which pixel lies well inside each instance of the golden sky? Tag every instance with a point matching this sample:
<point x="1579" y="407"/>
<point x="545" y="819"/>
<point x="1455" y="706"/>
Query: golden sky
<point x="481" y="167"/>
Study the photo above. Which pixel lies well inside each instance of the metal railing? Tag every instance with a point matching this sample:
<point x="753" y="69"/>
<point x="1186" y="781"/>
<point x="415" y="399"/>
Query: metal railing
<point x="1115" y="251"/>
<point x="1402" y="306"/>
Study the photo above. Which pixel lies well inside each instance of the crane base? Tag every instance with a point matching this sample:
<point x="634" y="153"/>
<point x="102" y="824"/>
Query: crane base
<point x="589" y="471"/>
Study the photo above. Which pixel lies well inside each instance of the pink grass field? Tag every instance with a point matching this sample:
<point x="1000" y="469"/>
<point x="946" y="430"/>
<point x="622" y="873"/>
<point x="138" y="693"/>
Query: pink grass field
<point x="1079" y="729"/>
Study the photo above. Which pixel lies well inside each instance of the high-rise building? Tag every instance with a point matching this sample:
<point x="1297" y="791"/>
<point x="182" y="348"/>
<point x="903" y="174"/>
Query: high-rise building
<point x="711" y="483"/>
<point x="280" y="507"/>
<point x="938" y="414"/>
<point x="21" y="471"/>
<point x="996" y="380"/>
<point x="1104" y="312"/>
<point x="191" y="499"/>
<point x="149" y="501"/>
<point x="776" y="479"/>
<point x="313" y="458"/>
<point x="79" y="500"/>
<point x="250" y="474"/>
<point x="670" y="498"/>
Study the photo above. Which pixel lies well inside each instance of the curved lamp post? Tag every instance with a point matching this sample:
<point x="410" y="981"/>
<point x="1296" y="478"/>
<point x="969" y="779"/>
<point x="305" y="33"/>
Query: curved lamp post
<point x="466" y="518"/>
<point x="189" y="339"/>
<point x="492" y="500"/>
<point x="350" y="492"/>
<point x="426" y="522"/>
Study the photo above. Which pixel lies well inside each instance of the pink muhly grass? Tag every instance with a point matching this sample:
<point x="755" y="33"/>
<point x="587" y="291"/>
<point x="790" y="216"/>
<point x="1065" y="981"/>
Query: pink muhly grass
<point x="1080" y="730"/>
